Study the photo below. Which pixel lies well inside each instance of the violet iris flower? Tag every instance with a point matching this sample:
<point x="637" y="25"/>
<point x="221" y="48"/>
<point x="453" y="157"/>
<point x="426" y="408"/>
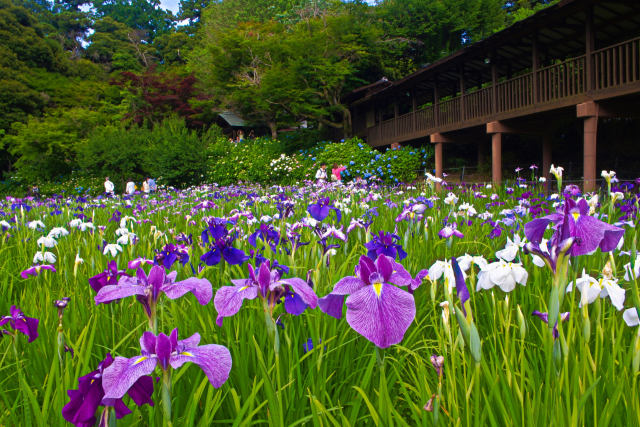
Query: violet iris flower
<point x="572" y="220"/>
<point x="461" y="286"/>
<point x="267" y="283"/>
<point x="81" y="409"/>
<point x="412" y="213"/>
<point x="222" y="248"/>
<point x="376" y="309"/>
<point x="21" y="323"/>
<point x="385" y="244"/>
<point x="171" y="253"/>
<point x="450" y="230"/>
<point x="35" y="270"/>
<point x="221" y="245"/>
<point x="545" y="318"/>
<point x="146" y="289"/>
<point x="321" y="209"/>
<point x="267" y="234"/>
<point x="108" y="277"/>
<point x="164" y="351"/>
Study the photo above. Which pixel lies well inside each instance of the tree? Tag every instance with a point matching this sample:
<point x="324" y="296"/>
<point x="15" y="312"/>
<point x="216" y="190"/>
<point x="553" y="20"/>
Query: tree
<point x="155" y="96"/>
<point x="144" y="15"/>
<point x="275" y="73"/>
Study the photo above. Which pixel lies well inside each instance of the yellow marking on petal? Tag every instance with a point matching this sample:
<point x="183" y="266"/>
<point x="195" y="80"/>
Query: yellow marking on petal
<point x="576" y="215"/>
<point x="186" y="353"/>
<point x="140" y="360"/>
<point x="377" y="287"/>
<point x="243" y="288"/>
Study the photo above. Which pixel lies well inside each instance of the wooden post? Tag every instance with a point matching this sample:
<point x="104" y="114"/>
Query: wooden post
<point x="496" y="158"/>
<point x="534" y="67"/>
<point x="439" y="159"/>
<point x="589" y="47"/>
<point x="590" y="138"/>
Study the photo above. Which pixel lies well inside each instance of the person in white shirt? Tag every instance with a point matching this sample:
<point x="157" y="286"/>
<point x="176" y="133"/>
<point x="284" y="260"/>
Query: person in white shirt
<point x="145" y="186"/>
<point x="321" y="174"/>
<point x="108" y="186"/>
<point x="131" y="188"/>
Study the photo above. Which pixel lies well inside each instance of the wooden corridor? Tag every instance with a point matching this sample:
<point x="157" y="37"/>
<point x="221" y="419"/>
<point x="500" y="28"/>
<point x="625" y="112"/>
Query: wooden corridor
<point x="578" y="55"/>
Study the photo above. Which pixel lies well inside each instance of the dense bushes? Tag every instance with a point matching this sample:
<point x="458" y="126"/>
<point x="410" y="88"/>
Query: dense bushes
<point x="266" y="161"/>
<point x="180" y="157"/>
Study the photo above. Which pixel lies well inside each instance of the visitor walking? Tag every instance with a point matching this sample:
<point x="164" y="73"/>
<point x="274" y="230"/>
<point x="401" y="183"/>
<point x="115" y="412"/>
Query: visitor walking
<point x="130" y="188"/>
<point x="108" y="187"/>
<point x="321" y="174"/>
<point x="153" y="187"/>
<point x="336" y="172"/>
<point x="145" y="186"/>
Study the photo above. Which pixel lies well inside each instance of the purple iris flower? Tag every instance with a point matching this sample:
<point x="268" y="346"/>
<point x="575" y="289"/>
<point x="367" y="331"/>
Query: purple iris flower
<point x="572" y="220"/>
<point x="222" y="248"/>
<point x="267" y="283"/>
<point x="412" y="212"/>
<point x="35" y="270"/>
<point x="171" y="253"/>
<point x="108" y="277"/>
<point x="21" y="323"/>
<point x="116" y="216"/>
<point x="450" y="230"/>
<point x="376" y="309"/>
<point x="321" y="209"/>
<point x="461" y="286"/>
<point x="545" y="318"/>
<point x="165" y="351"/>
<point x="572" y="190"/>
<point x="135" y="263"/>
<point x="81" y="409"/>
<point x="147" y="288"/>
<point x="217" y="228"/>
<point x="267" y="234"/>
<point x="385" y="244"/>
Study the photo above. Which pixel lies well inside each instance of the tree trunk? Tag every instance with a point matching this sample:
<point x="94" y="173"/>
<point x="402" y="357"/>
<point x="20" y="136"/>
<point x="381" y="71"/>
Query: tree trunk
<point x="274" y="130"/>
<point x="347" y="130"/>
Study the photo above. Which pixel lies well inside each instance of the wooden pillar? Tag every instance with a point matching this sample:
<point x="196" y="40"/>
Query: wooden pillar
<point x="589" y="47"/>
<point x="546" y="156"/>
<point x="438" y="159"/>
<point x="590" y="138"/>
<point x="496" y="158"/>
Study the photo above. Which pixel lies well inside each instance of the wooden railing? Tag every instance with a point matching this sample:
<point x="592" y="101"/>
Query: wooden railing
<point x="612" y="67"/>
<point x="617" y="65"/>
<point x="561" y="80"/>
<point x="515" y="93"/>
<point x="478" y="103"/>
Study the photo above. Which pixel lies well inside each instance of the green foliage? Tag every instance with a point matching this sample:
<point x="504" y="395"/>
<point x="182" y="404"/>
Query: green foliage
<point x="116" y="152"/>
<point x="45" y="148"/>
<point x="175" y="152"/>
<point x="265" y="161"/>
<point x="169" y="151"/>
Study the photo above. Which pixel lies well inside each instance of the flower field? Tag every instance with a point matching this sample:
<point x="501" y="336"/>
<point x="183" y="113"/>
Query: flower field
<point x="323" y="305"/>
